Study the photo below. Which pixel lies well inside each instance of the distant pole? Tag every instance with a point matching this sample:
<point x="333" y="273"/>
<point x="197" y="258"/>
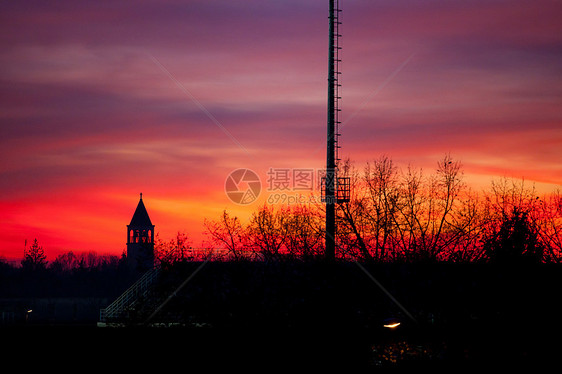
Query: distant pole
<point x="330" y="186"/>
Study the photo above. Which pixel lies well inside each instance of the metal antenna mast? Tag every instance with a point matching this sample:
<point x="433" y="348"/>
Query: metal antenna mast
<point x="335" y="190"/>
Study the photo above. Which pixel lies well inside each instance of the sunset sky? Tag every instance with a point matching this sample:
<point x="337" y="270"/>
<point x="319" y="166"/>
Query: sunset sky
<point x="100" y="101"/>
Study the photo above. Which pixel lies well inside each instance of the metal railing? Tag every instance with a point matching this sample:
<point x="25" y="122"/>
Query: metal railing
<point x="128" y="298"/>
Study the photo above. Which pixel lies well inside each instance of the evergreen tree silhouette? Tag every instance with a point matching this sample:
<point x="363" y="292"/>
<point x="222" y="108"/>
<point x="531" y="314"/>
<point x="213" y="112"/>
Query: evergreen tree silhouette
<point x="516" y="241"/>
<point x="34" y="257"/>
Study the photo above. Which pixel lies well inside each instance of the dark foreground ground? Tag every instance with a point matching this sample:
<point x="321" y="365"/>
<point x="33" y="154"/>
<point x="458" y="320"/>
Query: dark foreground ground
<point x="297" y="317"/>
<point x="213" y="350"/>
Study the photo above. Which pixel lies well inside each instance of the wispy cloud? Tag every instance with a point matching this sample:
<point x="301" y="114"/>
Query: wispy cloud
<point x="199" y="105"/>
<point x="83" y="106"/>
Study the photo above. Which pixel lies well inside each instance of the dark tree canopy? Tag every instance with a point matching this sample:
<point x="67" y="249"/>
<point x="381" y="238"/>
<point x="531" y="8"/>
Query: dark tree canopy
<point x="516" y="241"/>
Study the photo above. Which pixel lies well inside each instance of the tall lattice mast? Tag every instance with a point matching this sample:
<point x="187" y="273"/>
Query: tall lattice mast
<point x="335" y="84"/>
<point x="335" y="189"/>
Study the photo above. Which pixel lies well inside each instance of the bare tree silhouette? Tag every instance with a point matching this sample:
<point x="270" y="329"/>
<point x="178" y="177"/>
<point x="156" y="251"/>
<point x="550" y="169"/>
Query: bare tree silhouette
<point x="227" y="232"/>
<point x="405" y="214"/>
<point x="267" y="231"/>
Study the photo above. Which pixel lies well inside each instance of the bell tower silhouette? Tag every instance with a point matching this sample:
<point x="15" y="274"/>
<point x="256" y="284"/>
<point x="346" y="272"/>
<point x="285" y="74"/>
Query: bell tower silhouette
<point x="140" y="239"/>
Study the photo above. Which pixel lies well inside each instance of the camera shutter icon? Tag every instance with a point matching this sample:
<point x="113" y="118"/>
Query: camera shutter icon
<point x="242" y="186"/>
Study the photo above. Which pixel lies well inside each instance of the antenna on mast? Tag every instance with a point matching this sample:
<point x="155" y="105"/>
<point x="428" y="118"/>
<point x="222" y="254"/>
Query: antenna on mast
<point x="334" y="189"/>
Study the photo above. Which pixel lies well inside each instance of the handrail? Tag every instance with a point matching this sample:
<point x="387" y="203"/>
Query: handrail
<point x="130" y="295"/>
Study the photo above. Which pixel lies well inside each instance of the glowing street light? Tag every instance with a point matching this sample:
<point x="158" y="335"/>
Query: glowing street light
<point x="391" y="323"/>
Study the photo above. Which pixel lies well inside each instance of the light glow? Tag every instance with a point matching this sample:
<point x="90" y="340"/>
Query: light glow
<point x="392" y="325"/>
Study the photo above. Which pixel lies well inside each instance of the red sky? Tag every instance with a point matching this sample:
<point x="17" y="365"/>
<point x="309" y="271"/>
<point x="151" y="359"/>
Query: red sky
<point x="102" y="101"/>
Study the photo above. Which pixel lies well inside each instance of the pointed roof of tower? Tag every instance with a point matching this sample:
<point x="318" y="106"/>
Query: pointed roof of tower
<point x="140" y="218"/>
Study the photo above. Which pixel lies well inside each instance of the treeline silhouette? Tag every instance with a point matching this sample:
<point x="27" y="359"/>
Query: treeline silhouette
<point x="405" y="215"/>
<point x="68" y="275"/>
<point x="394" y="215"/>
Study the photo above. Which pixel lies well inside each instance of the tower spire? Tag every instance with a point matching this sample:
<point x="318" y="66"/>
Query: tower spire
<point x="140" y="239"/>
